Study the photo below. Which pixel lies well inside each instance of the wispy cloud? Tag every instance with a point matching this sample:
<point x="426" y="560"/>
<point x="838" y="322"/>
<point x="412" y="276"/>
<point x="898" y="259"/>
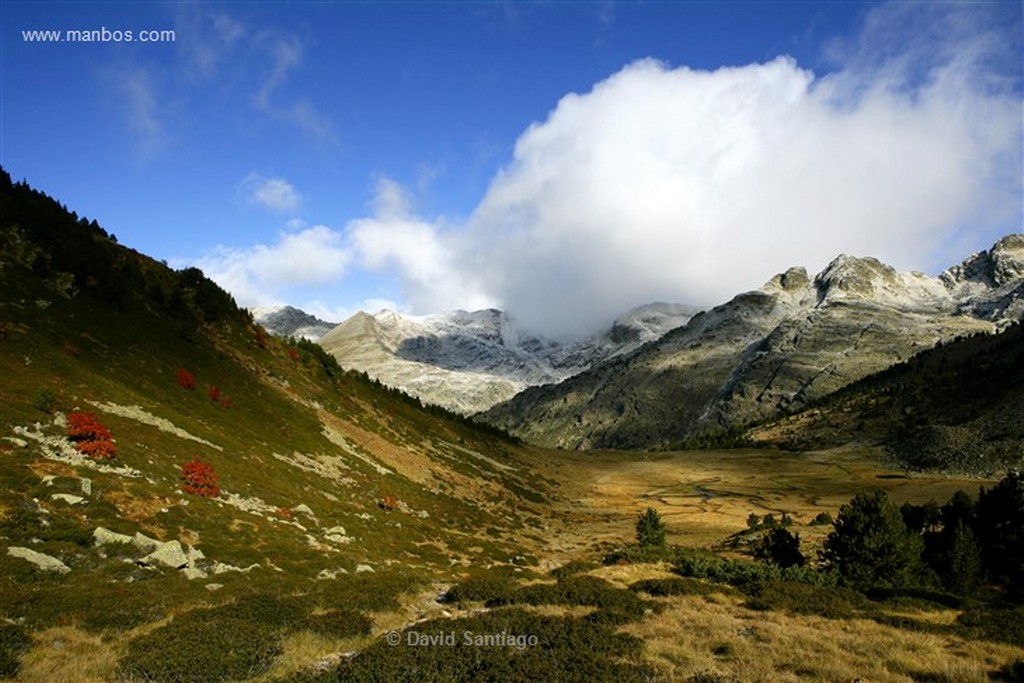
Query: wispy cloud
<point x="286" y="54"/>
<point x="274" y="194"/>
<point x="139" y="96"/>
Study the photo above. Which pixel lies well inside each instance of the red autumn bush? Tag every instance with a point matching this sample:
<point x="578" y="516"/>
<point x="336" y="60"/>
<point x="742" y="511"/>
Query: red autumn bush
<point x="214" y="394"/>
<point x="293" y="354"/>
<point x="186" y="380"/>
<point x="91" y="437"/>
<point x="389" y="502"/>
<point x="198" y="478"/>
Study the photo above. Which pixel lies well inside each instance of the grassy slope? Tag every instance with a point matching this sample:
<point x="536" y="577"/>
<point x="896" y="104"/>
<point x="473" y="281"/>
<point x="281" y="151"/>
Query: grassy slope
<point x="292" y="436"/>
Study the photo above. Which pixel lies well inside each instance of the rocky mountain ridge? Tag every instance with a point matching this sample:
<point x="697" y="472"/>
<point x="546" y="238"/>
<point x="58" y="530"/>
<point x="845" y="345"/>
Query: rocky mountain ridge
<point x="468" y="361"/>
<point x="288" y="321"/>
<point x="770" y="350"/>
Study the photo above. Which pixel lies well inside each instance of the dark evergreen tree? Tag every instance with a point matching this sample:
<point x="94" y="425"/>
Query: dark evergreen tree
<point x="650" y="530"/>
<point x="780" y="546"/>
<point x="870" y="546"/>
<point x="1000" y="529"/>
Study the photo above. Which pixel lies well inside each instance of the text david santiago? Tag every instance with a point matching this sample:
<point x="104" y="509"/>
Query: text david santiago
<point x="470" y="639"/>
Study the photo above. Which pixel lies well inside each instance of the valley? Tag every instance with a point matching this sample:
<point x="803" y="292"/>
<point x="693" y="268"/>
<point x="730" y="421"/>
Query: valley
<point x="185" y="497"/>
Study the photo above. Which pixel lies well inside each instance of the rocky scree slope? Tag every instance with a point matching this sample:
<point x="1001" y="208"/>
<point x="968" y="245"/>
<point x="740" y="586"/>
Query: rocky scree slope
<point x="770" y="350"/>
<point x="468" y="361"/>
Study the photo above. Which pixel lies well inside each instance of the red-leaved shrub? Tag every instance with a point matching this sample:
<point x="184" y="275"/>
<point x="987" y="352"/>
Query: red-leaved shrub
<point x="186" y="380"/>
<point x="199" y="478"/>
<point x="214" y="393"/>
<point x="389" y="502"/>
<point x="293" y="354"/>
<point x="91" y="437"/>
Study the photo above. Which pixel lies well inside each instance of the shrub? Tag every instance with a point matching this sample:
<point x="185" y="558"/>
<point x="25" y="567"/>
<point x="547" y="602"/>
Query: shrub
<point x="650" y="530"/>
<point x="199" y="478"/>
<point x="214" y="393"/>
<point x="90" y="437"/>
<point x="559" y="649"/>
<point x="14" y="642"/>
<point x="388" y="502"/>
<point x="186" y="380"/>
<point x="484" y="588"/>
<point x="580" y="591"/>
<point x="44" y="400"/>
<point x="201" y="646"/>
<point x="822" y="519"/>
<point x="780" y="547"/>
<point x="680" y="586"/>
<point x="833" y="602"/>
<point x="573" y="567"/>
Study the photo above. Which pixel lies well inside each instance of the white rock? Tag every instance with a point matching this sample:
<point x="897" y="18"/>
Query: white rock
<point x="68" y="498"/>
<point x="363" y="568"/>
<point x="41" y="560"/>
<point x="213" y="586"/>
<point x="104" y="536"/>
<point x="169" y="554"/>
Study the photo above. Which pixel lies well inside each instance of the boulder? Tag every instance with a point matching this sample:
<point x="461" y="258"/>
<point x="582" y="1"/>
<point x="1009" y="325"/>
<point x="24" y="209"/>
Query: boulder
<point x="41" y="560"/>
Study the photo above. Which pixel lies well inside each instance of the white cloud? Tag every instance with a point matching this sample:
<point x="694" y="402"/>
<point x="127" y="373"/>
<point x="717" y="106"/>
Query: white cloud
<point x="275" y="194"/>
<point x="686" y="185"/>
<point x="258" y="275"/>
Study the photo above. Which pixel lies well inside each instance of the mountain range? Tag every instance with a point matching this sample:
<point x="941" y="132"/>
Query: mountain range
<point x="769" y="351"/>
<point x="469" y="361"/>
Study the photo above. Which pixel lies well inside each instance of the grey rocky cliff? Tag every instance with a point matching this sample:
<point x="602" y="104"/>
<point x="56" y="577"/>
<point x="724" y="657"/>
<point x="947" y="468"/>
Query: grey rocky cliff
<point x="793" y="340"/>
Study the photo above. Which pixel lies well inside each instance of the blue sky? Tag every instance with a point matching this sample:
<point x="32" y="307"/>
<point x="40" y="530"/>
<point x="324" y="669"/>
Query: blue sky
<point x="562" y="160"/>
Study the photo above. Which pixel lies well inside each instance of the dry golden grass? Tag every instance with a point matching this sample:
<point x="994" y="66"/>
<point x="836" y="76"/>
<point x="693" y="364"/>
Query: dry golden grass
<point x="695" y="635"/>
<point x="65" y="653"/>
<point x="304" y="649"/>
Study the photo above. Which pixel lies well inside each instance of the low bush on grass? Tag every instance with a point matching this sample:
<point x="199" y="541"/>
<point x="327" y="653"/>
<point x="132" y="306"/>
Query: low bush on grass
<point x="202" y="647"/>
<point x="198" y="478"/>
<point x="574" y="567"/>
<point x="1004" y="624"/>
<point x="338" y="623"/>
<point x="702" y="564"/>
<point x="833" y="602"/>
<point x="523" y="647"/>
<point x="483" y="588"/>
<point x="680" y="586"/>
<point x="636" y="554"/>
<point x="14" y="642"/>
<point x="587" y="591"/>
<point x="90" y="437"/>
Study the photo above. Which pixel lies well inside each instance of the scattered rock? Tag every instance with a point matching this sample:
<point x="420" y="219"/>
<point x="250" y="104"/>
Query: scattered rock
<point x="169" y="554"/>
<point x="331" y="573"/>
<point x="213" y="586"/>
<point x="67" y="498"/>
<point x="41" y="560"/>
<point x="362" y="568"/>
<point x="103" y="536"/>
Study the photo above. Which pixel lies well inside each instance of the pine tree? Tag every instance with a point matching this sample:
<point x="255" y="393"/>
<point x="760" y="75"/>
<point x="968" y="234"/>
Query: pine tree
<point x="964" y="570"/>
<point x="650" y="530"/>
<point x="871" y="546"/>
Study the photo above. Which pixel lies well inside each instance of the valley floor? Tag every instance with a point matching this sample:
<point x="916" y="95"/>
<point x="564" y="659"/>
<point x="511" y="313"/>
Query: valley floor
<point x="706" y="496"/>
